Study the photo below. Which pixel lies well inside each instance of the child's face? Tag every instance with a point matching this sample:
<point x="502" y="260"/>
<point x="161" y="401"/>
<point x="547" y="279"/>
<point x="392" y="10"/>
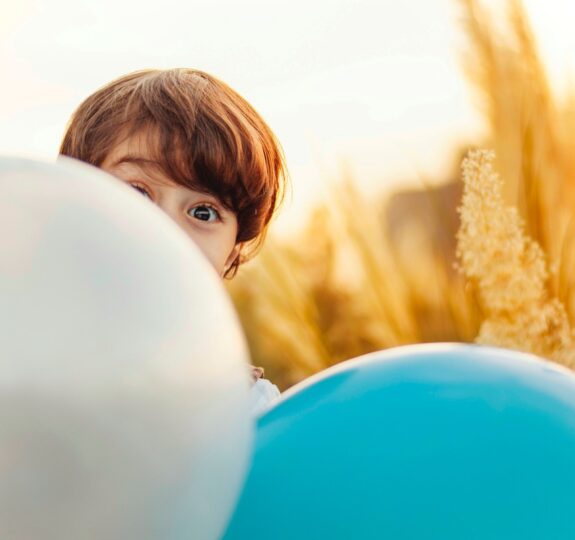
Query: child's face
<point x="202" y="216"/>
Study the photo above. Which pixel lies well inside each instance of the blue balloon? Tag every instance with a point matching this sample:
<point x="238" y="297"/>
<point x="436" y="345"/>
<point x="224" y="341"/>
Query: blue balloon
<point x="442" y="442"/>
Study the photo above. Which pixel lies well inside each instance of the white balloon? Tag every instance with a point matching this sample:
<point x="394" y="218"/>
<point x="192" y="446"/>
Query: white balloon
<point x="124" y="391"/>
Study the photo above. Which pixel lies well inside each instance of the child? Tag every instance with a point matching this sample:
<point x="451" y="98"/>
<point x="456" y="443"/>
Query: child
<point x="199" y="151"/>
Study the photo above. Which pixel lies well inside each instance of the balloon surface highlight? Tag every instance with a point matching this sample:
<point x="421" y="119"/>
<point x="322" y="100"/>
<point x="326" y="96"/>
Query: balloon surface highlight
<point x="425" y="442"/>
<point x="124" y="408"/>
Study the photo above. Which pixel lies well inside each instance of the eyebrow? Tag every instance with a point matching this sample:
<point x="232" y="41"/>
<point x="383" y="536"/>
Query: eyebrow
<point x="146" y="165"/>
<point x="142" y="163"/>
<point x="136" y="160"/>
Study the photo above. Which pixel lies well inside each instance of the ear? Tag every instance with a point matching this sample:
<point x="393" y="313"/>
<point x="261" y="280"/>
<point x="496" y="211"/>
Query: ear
<point x="234" y="254"/>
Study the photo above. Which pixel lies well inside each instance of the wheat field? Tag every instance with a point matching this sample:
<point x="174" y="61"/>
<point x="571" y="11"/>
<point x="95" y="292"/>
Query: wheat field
<point x="487" y="257"/>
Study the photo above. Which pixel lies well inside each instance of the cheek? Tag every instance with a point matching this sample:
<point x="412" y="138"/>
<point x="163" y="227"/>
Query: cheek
<point x="216" y="247"/>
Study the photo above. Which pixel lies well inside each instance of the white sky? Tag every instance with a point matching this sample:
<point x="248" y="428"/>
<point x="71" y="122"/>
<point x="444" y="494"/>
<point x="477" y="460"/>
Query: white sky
<point x="374" y="83"/>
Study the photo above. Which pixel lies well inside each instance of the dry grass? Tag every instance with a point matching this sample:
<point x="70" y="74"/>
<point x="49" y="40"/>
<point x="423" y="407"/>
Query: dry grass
<point x="531" y="132"/>
<point x="509" y="270"/>
<point x="341" y="289"/>
<point x="355" y="281"/>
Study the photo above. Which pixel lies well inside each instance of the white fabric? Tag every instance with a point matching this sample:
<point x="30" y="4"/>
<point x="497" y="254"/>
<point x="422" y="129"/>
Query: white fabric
<point x="262" y="395"/>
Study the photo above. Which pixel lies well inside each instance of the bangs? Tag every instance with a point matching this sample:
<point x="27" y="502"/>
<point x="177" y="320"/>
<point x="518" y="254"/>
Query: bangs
<point x="167" y="156"/>
<point x="209" y="147"/>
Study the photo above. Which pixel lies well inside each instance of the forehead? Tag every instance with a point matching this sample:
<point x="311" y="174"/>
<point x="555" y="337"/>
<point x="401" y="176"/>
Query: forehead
<point x="132" y="148"/>
<point x="138" y="152"/>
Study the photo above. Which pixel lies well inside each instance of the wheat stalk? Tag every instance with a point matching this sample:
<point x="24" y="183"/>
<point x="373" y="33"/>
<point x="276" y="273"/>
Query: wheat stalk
<point x="509" y="269"/>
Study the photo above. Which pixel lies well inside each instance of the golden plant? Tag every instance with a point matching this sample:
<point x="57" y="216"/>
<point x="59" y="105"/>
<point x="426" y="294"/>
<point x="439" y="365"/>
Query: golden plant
<point x="354" y="280"/>
<point x="531" y="132"/>
<point x="509" y="270"/>
<point x="341" y="289"/>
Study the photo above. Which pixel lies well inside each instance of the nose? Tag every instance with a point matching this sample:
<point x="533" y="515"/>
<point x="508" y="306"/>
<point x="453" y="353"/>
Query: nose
<point x="171" y="206"/>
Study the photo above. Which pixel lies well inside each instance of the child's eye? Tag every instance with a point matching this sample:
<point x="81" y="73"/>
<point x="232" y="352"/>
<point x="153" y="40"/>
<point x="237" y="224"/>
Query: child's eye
<point x="204" y="212"/>
<point x="142" y="190"/>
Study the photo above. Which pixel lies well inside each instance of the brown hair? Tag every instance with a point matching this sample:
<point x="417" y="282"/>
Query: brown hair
<point x="202" y="133"/>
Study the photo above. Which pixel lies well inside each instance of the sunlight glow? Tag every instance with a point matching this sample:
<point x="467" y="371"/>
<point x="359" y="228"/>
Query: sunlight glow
<point x="362" y="81"/>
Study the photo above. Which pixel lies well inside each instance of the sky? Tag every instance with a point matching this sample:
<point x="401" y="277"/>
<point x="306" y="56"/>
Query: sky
<point x="376" y="85"/>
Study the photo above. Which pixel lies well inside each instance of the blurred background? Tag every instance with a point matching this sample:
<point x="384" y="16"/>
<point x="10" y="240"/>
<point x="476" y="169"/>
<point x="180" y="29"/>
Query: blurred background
<point x="375" y="103"/>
